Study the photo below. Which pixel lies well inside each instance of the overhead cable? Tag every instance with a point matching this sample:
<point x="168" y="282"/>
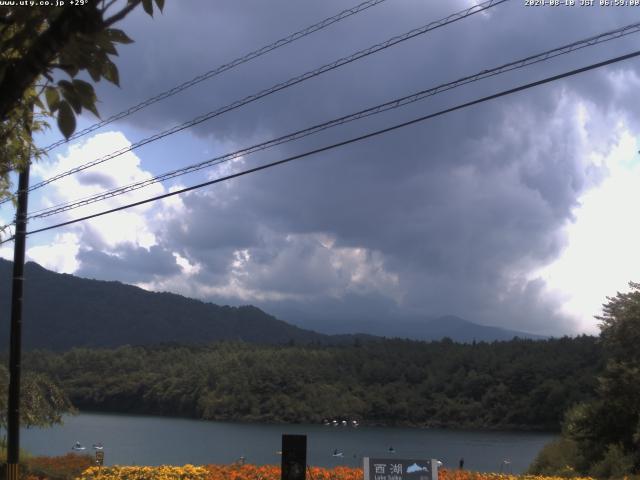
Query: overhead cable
<point x="220" y="69"/>
<point x="340" y="144"/>
<point x="280" y="86"/>
<point x="399" y="102"/>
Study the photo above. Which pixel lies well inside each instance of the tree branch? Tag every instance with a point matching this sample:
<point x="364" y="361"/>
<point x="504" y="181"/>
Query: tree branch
<point x="107" y="6"/>
<point x="122" y="13"/>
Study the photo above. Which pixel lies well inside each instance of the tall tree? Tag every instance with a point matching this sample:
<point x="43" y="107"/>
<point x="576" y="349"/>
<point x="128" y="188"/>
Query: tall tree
<point x="607" y="430"/>
<point x="43" y="49"/>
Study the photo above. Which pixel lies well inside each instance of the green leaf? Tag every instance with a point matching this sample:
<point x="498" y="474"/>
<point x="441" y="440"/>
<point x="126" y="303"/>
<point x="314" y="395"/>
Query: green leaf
<point x="72" y="58"/>
<point x="148" y="6"/>
<point x="103" y="42"/>
<point x="87" y="95"/>
<point x="71" y="70"/>
<point x="70" y="95"/>
<point x="84" y="90"/>
<point x="52" y="97"/>
<point x="107" y="46"/>
<point x="66" y="119"/>
<point x="118" y="36"/>
<point x="94" y="70"/>
<point x="160" y="4"/>
<point x="110" y="72"/>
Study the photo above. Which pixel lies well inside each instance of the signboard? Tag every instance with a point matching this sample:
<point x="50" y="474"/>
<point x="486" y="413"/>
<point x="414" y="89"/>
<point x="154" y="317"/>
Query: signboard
<point x="99" y="457"/>
<point x="294" y="457"/>
<point x="400" y="469"/>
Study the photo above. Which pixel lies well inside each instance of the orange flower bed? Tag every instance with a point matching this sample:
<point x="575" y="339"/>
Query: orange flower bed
<point x="272" y="472"/>
<point x="66" y="466"/>
<point x="256" y="472"/>
<point x="445" y="474"/>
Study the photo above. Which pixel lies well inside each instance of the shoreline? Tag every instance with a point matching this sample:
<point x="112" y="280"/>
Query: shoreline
<point x="363" y="423"/>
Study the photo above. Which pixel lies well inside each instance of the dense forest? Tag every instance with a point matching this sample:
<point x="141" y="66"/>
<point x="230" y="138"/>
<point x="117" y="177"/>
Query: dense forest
<point x="521" y="384"/>
<point x="111" y="314"/>
<point x="601" y="435"/>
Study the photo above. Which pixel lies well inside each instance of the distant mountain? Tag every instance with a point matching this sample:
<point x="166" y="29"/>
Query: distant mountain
<point x="62" y="311"/>
<point x="450" y="326"/>
<point x="462" y="330"/>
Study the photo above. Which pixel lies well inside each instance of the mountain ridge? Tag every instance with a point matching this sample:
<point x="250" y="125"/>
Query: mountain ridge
<point x="71" y="311"/>
<point x="416" y="328"/>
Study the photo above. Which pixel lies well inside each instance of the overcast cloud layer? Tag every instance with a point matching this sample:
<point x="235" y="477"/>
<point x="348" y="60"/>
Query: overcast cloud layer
<point x="452" y="216"/>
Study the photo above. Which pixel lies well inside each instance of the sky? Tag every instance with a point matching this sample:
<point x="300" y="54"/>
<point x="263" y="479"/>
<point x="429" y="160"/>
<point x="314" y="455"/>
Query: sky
<point x="518" y="212"/>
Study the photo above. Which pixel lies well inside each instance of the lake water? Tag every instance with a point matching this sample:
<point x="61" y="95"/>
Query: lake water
<point x="146" y="440"/>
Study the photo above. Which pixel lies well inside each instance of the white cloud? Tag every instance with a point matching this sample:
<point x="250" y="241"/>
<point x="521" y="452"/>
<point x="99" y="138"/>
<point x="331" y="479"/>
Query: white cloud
<point x="59" y="255"/>
<point x="297" y="267"/>
<point x="105" y="233"/>
<point x="602" y="254"/>
<point x="6" y="251"/>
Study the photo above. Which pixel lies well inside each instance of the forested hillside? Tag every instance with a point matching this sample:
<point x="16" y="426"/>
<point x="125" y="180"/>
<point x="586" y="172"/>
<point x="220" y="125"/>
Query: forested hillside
<point x="517" y="384"/>
<point x="63" y="311"/>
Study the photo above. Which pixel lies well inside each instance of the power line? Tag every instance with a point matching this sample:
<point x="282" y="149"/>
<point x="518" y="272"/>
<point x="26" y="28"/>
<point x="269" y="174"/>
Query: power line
<point x="343" y="143"/>
<point x="220" y="69"/>
<point x="399" y="102"/>
<point x="281" y="86"/>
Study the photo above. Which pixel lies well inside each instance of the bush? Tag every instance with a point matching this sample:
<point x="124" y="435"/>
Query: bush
<point x="558" y="458"/>
<point x="614" y="464"/>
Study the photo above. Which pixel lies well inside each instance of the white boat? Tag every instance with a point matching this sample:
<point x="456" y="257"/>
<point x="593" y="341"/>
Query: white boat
<point x="78" y="447"/>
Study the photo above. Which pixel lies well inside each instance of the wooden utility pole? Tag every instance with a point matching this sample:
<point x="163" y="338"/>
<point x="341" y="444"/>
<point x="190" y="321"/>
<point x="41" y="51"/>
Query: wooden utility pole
<point x="15" y="345"/>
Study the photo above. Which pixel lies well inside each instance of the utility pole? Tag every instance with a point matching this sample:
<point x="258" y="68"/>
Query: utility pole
<point x="15" y="345"/>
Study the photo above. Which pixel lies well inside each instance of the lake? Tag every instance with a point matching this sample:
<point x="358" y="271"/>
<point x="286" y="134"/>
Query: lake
<point x="148" y="440"/>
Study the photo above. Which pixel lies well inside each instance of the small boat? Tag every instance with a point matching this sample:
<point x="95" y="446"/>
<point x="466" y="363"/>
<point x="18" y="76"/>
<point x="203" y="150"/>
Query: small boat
<point x="336" y="453"/>
<point x="392" y="450"/>
<point x="354" y="423"/>
<point x="78" y="446"/>
<point x="98" y="446"/>
<point x="506" y="463"/>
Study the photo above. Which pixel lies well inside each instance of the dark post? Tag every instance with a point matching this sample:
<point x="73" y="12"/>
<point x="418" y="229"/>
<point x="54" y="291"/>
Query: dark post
<point x="15" y="347"/>
<point x="294" y="457"/>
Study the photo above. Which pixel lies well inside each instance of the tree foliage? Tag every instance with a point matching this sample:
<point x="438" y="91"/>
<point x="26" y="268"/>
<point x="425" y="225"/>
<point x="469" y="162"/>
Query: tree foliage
<point x="42" y="402"/>
<point x="556" y="459"/>
<point x="518" y="384"/>
<point x="43" y="52"/>
<point x="606" y="430"/>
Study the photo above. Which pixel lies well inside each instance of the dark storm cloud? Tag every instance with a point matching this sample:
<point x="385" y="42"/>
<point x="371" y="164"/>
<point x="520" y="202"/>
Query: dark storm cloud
<point x="220" y="225"/>
<point x="96" y="178"/>
<point x="127" y="264"/>
<point x="451" y="215"/>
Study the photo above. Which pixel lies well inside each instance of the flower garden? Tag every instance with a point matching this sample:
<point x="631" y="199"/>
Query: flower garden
<point x="75" y="468"/>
